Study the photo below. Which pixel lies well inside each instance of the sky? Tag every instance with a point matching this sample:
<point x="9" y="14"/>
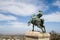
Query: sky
<point x="15" y="14"/>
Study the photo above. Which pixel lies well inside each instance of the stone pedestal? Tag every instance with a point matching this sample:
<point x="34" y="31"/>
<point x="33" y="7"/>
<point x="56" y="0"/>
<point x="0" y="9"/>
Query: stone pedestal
<point x="32" y="35"/>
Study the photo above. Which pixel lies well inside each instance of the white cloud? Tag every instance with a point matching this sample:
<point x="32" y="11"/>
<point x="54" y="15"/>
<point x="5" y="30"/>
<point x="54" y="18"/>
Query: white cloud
<point x="18" y="8"/>
<point x="1" y="27"/>
<point x="4" y="17"/>
<point x="15" y="27"/>
<point x="21" y="8"/>
<point x="53" y="17"/>
<point x="18" y="24"/>
<point x="42" y="7"/>
<point x="57" y="3"/>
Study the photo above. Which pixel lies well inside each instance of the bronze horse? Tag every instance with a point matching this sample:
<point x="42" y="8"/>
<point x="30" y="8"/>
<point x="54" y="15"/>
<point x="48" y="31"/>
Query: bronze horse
<point x="37" y="21"/>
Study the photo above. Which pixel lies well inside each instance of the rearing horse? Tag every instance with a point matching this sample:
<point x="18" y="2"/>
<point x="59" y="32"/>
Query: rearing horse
<point x="37" y="21"/>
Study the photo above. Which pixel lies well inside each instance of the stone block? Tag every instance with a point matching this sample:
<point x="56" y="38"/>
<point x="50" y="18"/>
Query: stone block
<point x="32" y="35"/>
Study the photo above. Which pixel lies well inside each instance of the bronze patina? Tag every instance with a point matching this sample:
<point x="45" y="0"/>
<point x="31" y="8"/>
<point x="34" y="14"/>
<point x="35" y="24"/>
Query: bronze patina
<point x="36" y="20"/>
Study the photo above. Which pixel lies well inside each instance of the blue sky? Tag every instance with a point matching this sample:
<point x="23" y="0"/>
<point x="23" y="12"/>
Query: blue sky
<point x="15" y="14"/>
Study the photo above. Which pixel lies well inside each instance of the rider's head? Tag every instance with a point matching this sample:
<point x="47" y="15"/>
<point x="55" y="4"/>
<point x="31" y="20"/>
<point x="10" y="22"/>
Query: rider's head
<point x="40" y="14"/>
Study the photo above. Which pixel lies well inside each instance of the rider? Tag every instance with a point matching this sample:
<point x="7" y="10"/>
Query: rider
<point x="40" y="14"/>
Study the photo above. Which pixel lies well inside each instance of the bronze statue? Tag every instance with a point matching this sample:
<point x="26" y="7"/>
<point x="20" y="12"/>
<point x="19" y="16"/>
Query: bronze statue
<point x="37" y="21"/>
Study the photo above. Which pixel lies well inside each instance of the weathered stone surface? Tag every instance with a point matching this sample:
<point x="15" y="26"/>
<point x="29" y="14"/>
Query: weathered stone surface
<point x="32" y="35"/>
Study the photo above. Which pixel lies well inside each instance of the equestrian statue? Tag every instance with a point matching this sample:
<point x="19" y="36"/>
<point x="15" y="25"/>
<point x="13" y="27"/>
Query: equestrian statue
<point x="36" y="20"/>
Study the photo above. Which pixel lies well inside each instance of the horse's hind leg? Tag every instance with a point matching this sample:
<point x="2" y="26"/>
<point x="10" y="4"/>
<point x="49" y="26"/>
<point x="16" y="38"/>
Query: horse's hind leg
<point x="44" y="30"/>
